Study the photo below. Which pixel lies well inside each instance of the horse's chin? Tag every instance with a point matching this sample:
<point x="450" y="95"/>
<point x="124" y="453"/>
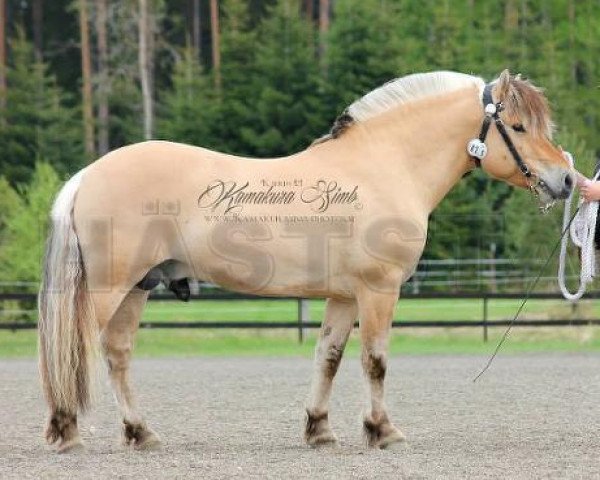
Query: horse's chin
<point x="546" y="201"/>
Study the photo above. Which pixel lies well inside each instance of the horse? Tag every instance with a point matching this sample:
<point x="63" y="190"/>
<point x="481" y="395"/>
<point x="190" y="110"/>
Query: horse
<point x="345" y="219"/>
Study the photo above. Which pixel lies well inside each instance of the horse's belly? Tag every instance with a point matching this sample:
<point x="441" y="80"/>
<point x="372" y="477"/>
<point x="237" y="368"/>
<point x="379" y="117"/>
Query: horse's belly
<point x="315" y="261"/>
<point x="273" y="264"/>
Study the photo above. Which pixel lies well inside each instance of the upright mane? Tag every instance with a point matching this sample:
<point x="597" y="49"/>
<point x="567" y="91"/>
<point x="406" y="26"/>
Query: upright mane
<point x="523" y="100"/>
<point x="409" y="89"/>
<point x="397" y="92"/>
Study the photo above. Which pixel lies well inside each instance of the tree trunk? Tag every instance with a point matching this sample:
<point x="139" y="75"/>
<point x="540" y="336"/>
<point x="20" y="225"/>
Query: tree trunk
<point x="2" y="55"/>
<point x="196" y="28"/>
<point x="144" y="56"/>
<point x="310" y="9"/>
<point x="215" y="34"/>
<point x="323" y="28"/>
<point x="103" y="77"/>
<point x="571" y="16"/>
<point x="38" y="28"/>
<point x="86" y="70"/>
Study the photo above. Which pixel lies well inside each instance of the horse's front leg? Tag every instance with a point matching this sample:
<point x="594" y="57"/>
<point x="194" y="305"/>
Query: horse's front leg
<point x="376" y="311"/>
<point x="340" y="316"/>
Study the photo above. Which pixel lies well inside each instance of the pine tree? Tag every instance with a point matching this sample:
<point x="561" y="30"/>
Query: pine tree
<point x="26" y="224"/>
<point x="215" y="34"/>
<point x="102" y="77"/>
<point x="363" y="51"/>
<point x="188" y="111"/>
<point x="86" y="84"/>
<point x="287" y="103"/>
<point x="37" y="121"/>
<point x="124" y="94"/>
<point x="9" y="201"/>
<point x="238" y="74"/>
<point x="2" y="54"/>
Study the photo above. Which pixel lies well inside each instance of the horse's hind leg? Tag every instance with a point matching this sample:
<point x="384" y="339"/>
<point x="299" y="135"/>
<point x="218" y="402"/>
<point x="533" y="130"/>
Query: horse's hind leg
<point x="337" y="325"/>
<point x="376" y="312"/>
<point x="117" y="340"/>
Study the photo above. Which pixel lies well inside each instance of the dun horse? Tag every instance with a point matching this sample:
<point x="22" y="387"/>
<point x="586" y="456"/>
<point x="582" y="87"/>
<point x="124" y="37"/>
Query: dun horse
<point x="345" y="219"/>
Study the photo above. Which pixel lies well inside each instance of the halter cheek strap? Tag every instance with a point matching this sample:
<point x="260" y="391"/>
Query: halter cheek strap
<point x="477" y="148"/>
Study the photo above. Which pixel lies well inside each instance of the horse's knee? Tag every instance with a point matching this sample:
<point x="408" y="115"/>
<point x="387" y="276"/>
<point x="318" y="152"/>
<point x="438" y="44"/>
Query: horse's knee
<point x="332" y="360"/>
<point x="117" y="358"/>
<point x="117" y="351"/>
<point x="375" y="366"/>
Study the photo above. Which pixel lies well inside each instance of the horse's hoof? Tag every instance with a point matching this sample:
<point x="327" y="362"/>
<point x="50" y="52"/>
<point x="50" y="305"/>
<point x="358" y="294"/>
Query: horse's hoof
<point x="394" y="441"/>
<point x="381" y="433"/>
<point x="317" y="432"/>
<point x="139" y="437"/>
<point x="323" y="440"/>
<point x="151" y="442"/>
<point x="396" y="445"/>
<point x="74" y="445"/>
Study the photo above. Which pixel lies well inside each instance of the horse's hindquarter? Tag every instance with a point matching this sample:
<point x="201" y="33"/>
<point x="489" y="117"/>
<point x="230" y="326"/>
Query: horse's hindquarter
<point x="303" y="225"/>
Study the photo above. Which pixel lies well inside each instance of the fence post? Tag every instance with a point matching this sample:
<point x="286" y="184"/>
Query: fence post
<point x="303" y="317"/>
<point x="485" y="317"/>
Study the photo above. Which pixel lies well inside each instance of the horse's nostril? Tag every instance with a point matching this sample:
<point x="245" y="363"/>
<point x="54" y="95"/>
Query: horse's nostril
<point x="568" y="182"/>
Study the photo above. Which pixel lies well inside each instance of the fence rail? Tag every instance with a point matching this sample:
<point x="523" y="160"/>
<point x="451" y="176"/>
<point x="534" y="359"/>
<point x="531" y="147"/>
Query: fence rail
<point x="225" y="295"/>
<point x="303" y="323"/>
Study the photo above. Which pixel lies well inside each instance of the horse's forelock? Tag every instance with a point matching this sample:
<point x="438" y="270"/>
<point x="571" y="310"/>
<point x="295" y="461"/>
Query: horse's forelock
<point x="526" y="101"/>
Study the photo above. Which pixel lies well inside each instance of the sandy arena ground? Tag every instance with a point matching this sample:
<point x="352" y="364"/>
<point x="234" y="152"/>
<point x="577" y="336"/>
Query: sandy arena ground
<point x="532" y="416"/>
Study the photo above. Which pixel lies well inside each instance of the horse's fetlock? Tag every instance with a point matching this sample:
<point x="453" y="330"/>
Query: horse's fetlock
<point x="61" y="426"/>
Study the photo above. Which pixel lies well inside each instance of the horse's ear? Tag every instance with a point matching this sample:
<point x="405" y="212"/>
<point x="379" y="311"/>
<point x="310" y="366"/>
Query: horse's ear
<point x="502" y="86"/>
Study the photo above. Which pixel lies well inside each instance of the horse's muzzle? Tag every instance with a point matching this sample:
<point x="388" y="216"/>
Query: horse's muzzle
<point x="558" y="183"/>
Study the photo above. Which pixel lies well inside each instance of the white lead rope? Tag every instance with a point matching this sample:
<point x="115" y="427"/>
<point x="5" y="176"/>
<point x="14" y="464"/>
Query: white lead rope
<point x="582" y="233"/>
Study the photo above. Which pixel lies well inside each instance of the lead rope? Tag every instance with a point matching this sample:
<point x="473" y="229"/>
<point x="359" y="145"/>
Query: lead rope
<point x="526" y="297"/>
<point x="582" y="232"/>
<point x="568" y="220"/>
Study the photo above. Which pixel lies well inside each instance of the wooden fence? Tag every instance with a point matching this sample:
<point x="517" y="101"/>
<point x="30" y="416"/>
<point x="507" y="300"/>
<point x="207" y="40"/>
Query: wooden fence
<point x="302" y="322"/>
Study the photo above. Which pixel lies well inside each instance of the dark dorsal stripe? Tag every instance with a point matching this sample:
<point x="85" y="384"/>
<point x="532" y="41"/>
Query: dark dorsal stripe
<point x="341" y="124"/>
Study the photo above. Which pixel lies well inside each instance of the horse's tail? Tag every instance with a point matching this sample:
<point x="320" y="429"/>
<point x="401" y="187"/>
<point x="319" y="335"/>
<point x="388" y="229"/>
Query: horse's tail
<point x="68" y="334"/>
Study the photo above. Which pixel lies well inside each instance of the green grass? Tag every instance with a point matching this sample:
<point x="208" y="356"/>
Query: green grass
<point x="189" y="342"/>
<point x="407" y="309"/>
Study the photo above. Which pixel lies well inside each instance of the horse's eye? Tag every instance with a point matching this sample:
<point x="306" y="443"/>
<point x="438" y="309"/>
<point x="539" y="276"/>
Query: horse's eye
<point x="519" y="128"/>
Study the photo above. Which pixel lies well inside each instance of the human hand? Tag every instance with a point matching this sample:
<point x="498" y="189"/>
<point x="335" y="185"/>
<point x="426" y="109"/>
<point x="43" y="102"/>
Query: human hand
<point x="590" y="191"/>
<point x="581" y="179"/>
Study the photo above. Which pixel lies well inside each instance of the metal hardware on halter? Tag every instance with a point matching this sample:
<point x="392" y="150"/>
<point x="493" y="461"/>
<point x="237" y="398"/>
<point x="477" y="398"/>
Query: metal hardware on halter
<point x="477" y="147"/>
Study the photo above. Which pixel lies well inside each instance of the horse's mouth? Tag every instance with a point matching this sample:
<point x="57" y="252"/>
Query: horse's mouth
<point x="547" y="192"/>
<point x="545" y="203"/>
<point x="546" y="196"/>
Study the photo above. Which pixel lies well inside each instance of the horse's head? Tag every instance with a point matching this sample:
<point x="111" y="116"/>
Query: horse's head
<point x="534" y="162"/>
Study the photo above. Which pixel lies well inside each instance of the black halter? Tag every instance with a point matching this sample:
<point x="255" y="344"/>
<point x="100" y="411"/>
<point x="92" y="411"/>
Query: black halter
<point x="494" y="114"/>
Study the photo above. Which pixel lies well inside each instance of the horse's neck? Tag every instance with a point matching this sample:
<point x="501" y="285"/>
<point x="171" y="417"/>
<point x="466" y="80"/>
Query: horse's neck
<point x="424" y="143"/>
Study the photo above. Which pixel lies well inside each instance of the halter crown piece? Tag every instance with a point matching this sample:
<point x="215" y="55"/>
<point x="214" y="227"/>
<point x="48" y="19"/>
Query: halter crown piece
<point x="477" y="148"/>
